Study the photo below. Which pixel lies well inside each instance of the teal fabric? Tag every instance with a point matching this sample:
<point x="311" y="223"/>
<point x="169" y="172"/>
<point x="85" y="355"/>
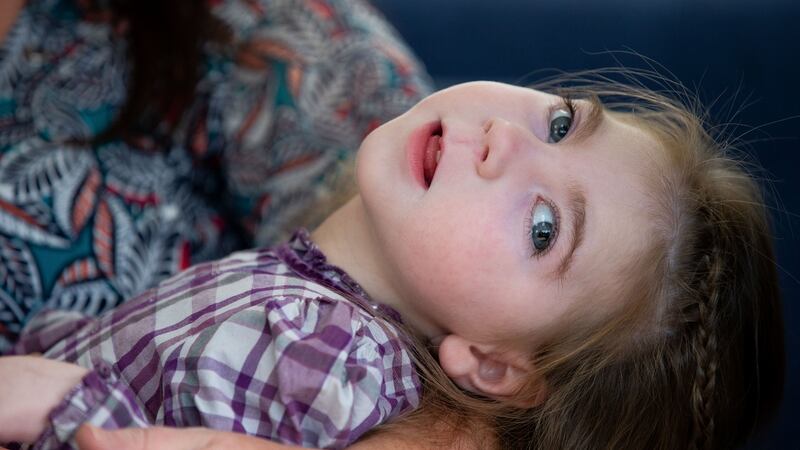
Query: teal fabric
<point x="276" y="112"/>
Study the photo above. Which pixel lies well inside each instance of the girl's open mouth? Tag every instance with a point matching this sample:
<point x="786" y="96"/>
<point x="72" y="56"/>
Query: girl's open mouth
<point x="424" y="149"/>
<point x="432" y="155"/>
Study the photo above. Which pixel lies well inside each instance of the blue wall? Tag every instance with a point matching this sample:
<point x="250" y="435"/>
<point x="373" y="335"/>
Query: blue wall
<point x="743" y="51"/>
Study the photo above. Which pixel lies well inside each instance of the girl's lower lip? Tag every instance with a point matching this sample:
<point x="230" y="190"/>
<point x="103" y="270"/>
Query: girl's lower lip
<point x="415" y="150"/>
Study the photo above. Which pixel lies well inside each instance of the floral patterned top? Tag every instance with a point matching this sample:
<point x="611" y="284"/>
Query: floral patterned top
<point x="274" y="115"/>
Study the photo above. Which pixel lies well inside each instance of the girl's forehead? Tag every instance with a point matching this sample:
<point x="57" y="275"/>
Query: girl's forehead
<point x="620" y="176"/>
<point x="624" y="139"/>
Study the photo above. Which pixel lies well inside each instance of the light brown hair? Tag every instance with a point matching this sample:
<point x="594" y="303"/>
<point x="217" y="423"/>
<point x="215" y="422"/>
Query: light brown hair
<point x="695" y="358"/>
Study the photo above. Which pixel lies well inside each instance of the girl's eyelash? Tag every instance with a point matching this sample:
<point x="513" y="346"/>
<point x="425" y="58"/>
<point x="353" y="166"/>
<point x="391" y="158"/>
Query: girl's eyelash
<point x="536" y="253"/>
<point x="568" y="103"/>
<point x="565" y="102"/>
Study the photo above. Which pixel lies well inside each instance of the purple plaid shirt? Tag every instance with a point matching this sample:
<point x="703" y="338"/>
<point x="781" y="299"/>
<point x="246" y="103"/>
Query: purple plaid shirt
<point x="275" y="343"/>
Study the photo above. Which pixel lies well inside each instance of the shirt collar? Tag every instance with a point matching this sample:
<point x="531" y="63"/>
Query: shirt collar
<point x="306" y="258"/>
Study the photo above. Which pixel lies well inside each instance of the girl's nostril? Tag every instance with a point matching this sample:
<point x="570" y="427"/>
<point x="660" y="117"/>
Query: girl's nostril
<point x="487" y="126"/>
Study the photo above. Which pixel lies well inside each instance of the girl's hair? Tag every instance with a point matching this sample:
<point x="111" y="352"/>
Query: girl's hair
<point x="166" y="42"/>
<point x="694" y="358"/>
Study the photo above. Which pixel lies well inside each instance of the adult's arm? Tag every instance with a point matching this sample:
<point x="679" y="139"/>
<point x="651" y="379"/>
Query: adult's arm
<point x="161" y="438"/>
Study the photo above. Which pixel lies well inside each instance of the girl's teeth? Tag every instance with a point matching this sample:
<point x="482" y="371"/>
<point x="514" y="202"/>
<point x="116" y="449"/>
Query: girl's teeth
<point x="438" y="156"/>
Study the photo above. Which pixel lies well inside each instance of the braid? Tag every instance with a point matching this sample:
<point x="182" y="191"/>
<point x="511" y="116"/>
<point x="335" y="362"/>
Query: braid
<point x="704" y="348"/>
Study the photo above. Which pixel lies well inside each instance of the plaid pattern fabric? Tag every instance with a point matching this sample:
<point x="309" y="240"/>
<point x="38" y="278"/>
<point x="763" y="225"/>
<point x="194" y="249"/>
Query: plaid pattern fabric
<point x="274" y="343"/>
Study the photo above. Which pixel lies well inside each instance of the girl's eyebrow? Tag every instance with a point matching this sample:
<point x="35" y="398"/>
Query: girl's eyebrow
<point x="591" y="117"/>
<point x="577" y="209"/>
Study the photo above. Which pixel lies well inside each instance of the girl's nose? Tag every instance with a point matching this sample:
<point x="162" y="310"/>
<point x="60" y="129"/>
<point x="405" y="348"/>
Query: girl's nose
<point x="505" y="145"/>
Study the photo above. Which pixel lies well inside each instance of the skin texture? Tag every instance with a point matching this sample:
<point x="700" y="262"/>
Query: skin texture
<point x="161" y="438"/>
<point x="456" y="259"/>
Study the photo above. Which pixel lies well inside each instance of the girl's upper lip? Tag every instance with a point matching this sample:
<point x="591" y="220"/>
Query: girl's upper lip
<point x="415" y="149"/>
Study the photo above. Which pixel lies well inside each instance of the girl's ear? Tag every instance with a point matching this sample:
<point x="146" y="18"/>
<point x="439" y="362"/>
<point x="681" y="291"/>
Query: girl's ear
<point x="488" y="371"/>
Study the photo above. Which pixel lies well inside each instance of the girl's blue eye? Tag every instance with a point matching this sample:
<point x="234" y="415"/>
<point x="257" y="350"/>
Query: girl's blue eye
<point x="543" y="226"/>
<point x="560" y="123"/>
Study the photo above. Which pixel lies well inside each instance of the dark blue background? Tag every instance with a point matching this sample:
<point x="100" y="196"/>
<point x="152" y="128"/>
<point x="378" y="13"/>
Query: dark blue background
<point x="746" y="51"/>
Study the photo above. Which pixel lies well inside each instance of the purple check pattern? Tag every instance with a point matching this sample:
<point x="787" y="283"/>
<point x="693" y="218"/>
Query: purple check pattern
<point x="275" y="343"/>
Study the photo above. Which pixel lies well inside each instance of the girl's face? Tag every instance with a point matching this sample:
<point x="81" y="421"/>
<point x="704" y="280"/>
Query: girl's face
<point x="528" y="214"/>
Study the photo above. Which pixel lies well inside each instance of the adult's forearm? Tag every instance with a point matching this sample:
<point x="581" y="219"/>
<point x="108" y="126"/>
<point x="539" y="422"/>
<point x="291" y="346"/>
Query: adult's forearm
<point x="162" y="438"/>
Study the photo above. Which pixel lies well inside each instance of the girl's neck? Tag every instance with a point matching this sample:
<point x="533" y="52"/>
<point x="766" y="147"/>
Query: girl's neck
<point x="9" y="11"/>
<point x="347" y="240"/>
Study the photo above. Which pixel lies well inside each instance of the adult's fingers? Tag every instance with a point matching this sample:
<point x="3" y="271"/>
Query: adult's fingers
<point x="160" y="438"/>
<point x="93" y="438"/>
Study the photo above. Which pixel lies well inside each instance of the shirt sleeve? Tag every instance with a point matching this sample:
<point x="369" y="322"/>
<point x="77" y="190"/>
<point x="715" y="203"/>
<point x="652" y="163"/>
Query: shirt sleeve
<point x="310" y="373"/>
<point x="309" y="81"/>
<point x="101" y="399"/>
<point x="47" y="328"/>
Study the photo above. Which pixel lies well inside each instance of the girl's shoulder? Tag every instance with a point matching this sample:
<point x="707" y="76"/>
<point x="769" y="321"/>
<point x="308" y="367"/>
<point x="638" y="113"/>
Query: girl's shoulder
<point x="306" y="293"/>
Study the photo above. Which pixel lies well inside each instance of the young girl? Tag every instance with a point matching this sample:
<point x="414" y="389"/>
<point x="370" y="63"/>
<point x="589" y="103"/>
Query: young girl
<point x="589" y="276"/>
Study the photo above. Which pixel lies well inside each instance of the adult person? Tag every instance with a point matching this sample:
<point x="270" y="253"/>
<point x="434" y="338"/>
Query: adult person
<point x="140" y="137"/>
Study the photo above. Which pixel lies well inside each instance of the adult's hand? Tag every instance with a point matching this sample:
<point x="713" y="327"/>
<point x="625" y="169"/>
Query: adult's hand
<point x="31" y="387"/>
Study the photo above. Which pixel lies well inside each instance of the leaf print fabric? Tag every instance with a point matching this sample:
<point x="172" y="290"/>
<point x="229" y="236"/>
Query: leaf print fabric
<point x="274" y="116"/>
